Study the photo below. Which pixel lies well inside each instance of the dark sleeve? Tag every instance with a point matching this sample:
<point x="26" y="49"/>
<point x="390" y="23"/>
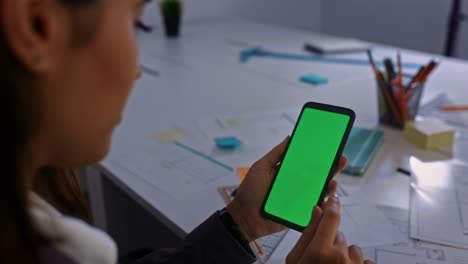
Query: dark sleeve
<point x="210" y="242"/>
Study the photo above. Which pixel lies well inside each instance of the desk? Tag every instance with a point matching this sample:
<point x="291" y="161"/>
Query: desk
<point x="200" y="75"/>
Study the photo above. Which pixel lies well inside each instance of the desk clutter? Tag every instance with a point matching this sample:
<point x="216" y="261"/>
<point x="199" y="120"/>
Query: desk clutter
<point x="387" y="234"/>
<point x="198" y="156"/>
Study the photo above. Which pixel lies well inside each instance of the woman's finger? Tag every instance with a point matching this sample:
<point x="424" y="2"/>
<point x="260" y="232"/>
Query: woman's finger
<point x="355" y="254"/>
<point x="328" y="226"/>
<point x="306" y="237"/>
<point x="272" y="158"/>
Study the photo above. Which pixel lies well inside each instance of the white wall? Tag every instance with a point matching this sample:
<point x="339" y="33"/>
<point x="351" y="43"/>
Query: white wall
<point x="305" y="14"/>
<point x="297" y="13"/>
<point x="415" y="24"/>
<point x="193" y="10"/>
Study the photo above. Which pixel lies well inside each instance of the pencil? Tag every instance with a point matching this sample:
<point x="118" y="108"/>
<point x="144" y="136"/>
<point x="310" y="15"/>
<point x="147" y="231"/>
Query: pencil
<point x="401" y="92"/>
<point x="432" y="66"/>
<point x="400" y="68"/>
<point x="259" y="249"/>
<point x="423" y="74"/>
<point x="454" y="108"/>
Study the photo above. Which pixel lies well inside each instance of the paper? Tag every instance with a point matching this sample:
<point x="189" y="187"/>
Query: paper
<point x="408" y="251"/>
<point x="430" y="127"/>
<point x="420" y="253"/>
<point x="231" y="122"/>
<point x="412" y="251"/>
<point x="268" y="246"/>
<point x="366" y="226"/>
<point x="432" y="109"/>
<point x="439" y="203"/>
<point x="173" y="169"/>
<point x="171" y="135"/>
<point x="272" y="126"/>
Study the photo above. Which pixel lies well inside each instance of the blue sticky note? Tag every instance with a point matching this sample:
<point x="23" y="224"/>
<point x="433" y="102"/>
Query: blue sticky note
<point x="314" y="79"/>
<point x="227" y="142"/>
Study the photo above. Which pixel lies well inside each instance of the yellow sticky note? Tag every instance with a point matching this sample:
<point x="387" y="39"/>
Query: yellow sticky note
<point x="171" y="135"/>
<point x="429" y="134"/>
<point x="242" y="172"/>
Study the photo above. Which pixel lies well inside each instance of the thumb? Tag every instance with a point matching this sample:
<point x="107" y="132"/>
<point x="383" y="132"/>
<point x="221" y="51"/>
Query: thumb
<point x="306" y="237"/>
<point x="276" y="154"/>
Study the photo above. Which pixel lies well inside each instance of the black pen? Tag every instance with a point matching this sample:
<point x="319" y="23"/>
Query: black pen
<point x="389" y="68"/>
<point x="149" y="71"/>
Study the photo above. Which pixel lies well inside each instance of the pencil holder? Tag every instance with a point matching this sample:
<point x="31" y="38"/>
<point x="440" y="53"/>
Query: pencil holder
<point x="397" y="105"/>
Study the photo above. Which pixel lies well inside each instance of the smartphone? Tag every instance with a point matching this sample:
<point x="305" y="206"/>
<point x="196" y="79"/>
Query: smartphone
<point x="309" y="163"/>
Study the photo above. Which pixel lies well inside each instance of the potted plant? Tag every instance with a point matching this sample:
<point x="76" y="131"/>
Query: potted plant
<point x="171" y="11"/>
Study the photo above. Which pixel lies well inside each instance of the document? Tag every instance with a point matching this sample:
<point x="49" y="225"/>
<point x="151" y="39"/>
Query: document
<point x="431" y="109"/>
<point x="258" y="134"/>
<point x="439" y="203"/>
<point x="412" y="251"/>
<point x="174" y="169"/>
<point x="367" y="226"/>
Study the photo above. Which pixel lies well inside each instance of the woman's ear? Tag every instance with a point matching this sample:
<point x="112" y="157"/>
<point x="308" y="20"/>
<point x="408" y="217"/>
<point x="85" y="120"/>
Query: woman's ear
<point x="34" y="30"/>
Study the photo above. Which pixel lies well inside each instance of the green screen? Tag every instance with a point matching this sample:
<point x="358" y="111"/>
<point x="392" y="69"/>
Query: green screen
<point x="306" y="165"/>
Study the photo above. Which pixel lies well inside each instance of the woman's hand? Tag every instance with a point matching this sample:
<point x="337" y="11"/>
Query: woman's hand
<point x="322" y="243"/>
<point x="246" y="206"/>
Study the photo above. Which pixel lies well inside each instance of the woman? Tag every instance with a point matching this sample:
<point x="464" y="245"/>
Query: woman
<point x="66" y="70"/>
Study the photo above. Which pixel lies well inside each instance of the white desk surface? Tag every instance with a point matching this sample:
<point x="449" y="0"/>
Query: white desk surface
<point x="200" y="75"/>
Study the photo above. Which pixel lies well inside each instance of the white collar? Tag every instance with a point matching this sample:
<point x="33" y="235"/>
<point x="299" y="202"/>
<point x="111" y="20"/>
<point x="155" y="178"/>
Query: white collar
<point x="73" y="237"/>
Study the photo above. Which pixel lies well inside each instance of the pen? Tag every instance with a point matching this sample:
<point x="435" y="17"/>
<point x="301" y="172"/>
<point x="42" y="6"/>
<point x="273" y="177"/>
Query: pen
<point x="233" y="193"/>
<point x="403" y="171"/>
<point x="149" y="71"/>
<point x="143" y="27"/>
<point x="383" y="85"/>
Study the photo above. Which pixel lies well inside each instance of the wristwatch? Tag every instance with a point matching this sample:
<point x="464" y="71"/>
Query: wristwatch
<point x="234" y="229"/>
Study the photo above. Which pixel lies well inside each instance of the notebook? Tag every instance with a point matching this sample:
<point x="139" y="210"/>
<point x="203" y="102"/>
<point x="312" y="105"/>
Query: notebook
<point x="361" y="148"/>
<point x="333" y="45"/>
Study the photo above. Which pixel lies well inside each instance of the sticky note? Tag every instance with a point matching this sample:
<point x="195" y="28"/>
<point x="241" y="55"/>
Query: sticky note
<point x="227" y="143"/>
<point x="314" y="79"/>
<point x="430" y="134"/>
<point x="171" y="135"/>
<point x="242" y="172"/>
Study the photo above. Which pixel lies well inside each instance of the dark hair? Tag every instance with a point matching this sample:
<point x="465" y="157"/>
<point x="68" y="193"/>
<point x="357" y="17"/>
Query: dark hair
<point x="19" y="240"/>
